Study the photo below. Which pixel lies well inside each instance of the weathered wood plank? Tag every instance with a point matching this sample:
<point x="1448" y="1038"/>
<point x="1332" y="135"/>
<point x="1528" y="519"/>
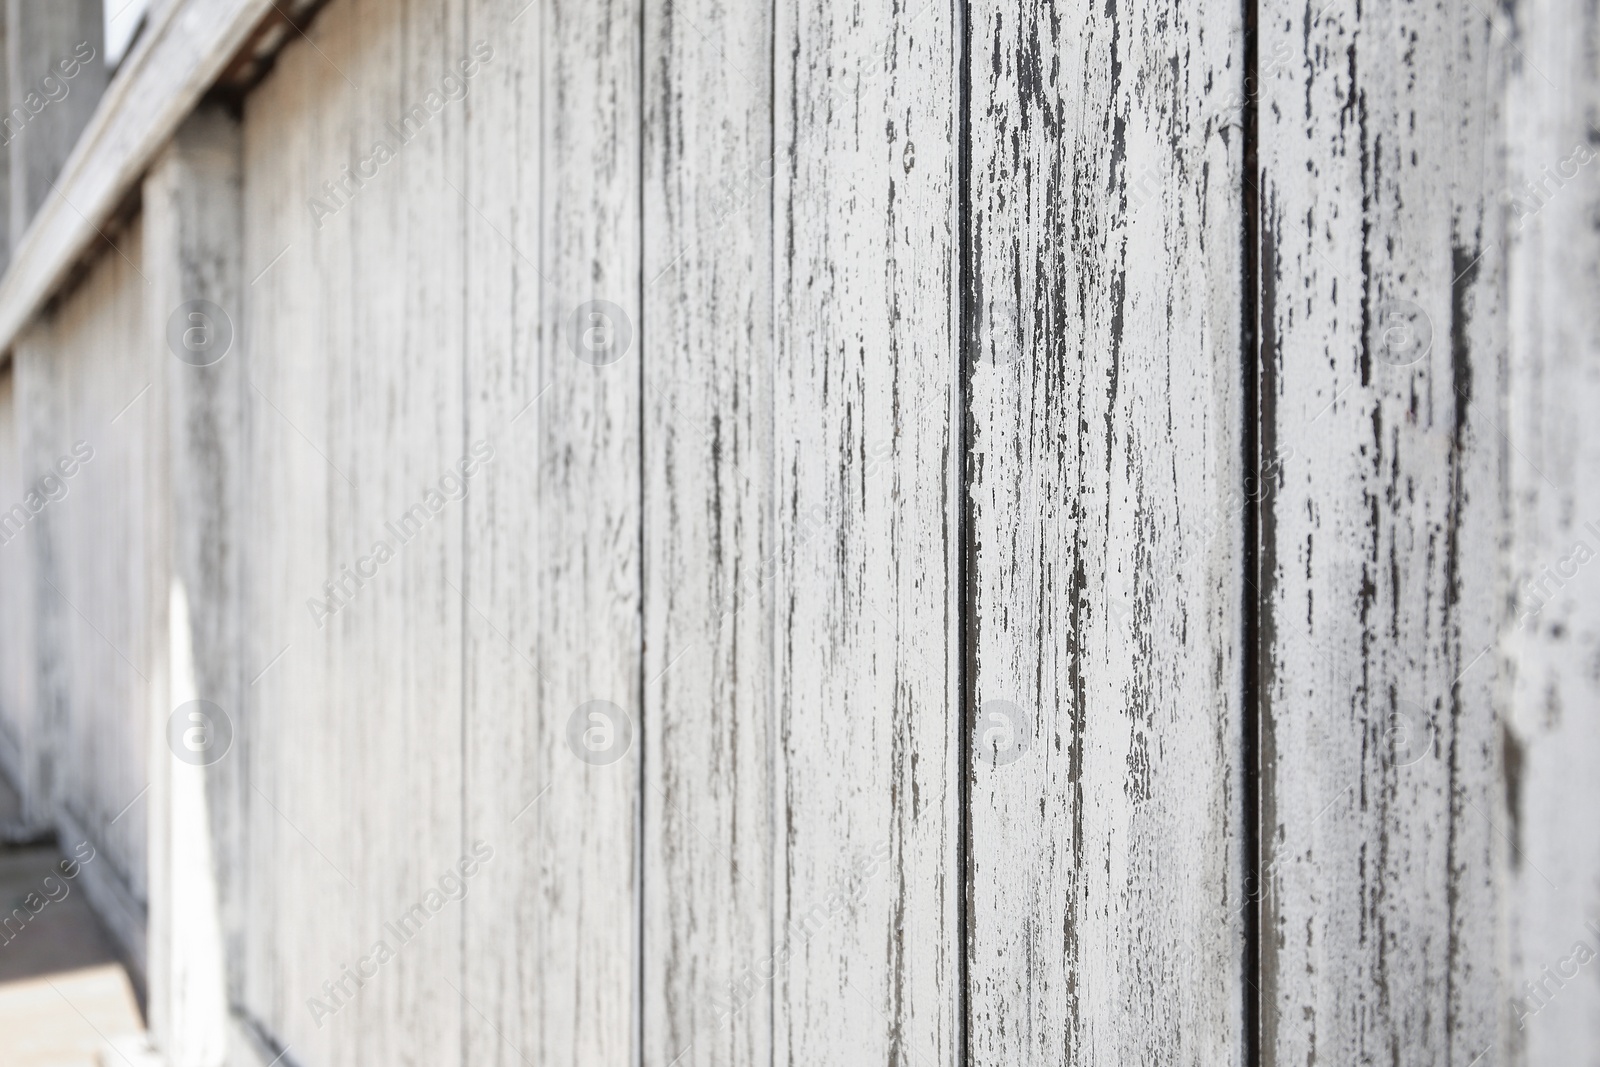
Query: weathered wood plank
<point x="290" y="510"/>
<point x="1382" y="335"/>
<point x="86" y="437"/>
<point x="16" y="596"/>
<point x="867" y="711"/>
<point x="193" y="241"/>
<point x="709" y="560"/>
<point x="354" y="323"/>
<point x="553" y="531"/>
<point x="1104" y="386"/>
<point x="37" y="402"/>
<point x="1552" y="740"/>
<point x="400" y="267"/>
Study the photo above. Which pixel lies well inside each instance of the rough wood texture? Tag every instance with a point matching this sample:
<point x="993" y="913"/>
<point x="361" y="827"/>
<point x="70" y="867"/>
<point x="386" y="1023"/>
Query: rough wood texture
<point x="550" y="196"/>
<point x="1104" y="337"/>
<point x="1552" y="740"/>
<point x="710" y="564"/>
<point x="193" y="239"/>
<point x="1380" y="377"/>
<point x="867" y="710"/>
<point x="908" y="462"/>
<point x="80" y="388"/>
<point x="353" y="339"/>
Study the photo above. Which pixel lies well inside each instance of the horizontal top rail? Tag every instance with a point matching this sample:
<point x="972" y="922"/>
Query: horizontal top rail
<point x="188" y="46"/>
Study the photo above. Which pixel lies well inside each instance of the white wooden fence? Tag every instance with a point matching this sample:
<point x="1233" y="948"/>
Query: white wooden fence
<point x="702" y="533"/>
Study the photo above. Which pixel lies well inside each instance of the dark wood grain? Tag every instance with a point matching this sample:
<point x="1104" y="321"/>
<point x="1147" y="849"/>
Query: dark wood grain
<point x="1104" y="305"/>
<point x="1382" y="335"/>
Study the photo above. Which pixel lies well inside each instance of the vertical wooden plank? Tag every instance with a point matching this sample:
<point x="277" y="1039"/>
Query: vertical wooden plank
<point x="193" y="241"/>
<point x="867" y="714"/>
<point x="96" y="587"/>
<point x="402" y="306"/>
<point x="290" y="513"/>
<point x="709" y="559"/>
<point x="56" y="72"/>
<point x="1552" y="739"/>
<point x="1104" y="303"/>
<point x="1381" y="334"/>
<point x="552" y="585"/>
<point x="101" y="580"/>
<point x="355" y="345"/>
<point x="16" y="596"/>
<point x="39" y="406"/>
<point x="86" y="445"/>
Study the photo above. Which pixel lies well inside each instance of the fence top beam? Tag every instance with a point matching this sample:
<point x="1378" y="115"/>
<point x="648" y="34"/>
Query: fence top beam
<point x="188" y="48"/>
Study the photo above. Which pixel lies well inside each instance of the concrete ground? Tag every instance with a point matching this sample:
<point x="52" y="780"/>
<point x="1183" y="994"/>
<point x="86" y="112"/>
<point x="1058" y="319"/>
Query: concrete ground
<point x="65" y="999"/>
